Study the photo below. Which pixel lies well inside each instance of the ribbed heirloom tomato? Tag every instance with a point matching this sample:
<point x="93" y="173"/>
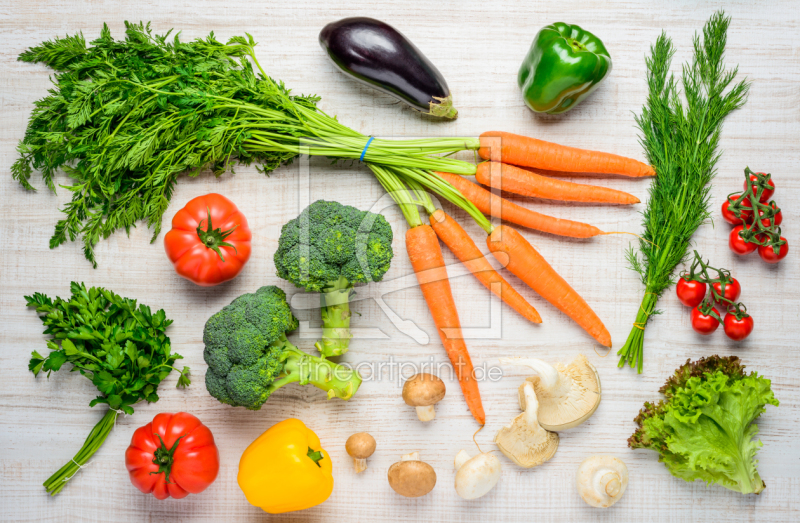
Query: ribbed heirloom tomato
<point x="210" y="241"/>
<point x="173" y="456"/>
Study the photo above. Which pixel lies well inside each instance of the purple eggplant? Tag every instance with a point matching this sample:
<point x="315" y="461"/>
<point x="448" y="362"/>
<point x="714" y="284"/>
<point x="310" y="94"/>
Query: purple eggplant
<point x="376" y="54"/>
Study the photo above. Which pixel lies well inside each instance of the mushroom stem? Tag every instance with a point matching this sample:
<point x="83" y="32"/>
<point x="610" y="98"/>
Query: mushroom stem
<point x="546" y="372"/>
<point x="360" y="465"/>
<point x="461" y="458"/>
<point x="426" y="413"/>
<point x="611" y="483"/>
<point x="411" y="456"/>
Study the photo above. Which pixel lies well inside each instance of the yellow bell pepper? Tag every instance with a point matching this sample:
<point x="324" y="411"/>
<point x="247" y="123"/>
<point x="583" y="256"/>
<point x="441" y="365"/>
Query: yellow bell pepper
<point x="286" y="469"/>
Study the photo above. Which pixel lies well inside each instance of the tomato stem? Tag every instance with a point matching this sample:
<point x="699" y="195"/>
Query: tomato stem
<point x="215" y="238"/>
<point x="163" y="457"/>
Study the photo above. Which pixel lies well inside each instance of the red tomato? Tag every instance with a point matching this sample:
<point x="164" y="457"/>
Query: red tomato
<point x="704" y="323"/>
<point x="738" y="330"/>
<point x="737" y="244"/>
<point x="767" y="253"/>
<point x="731" y="218"/>
<point x="210" y="241"/>
<point x="778" y="218"/>
<point x="767" y="193"/>
<point x="690" y="292"/>
<point x="732" y="290"/>
<point x="174" y="455"/>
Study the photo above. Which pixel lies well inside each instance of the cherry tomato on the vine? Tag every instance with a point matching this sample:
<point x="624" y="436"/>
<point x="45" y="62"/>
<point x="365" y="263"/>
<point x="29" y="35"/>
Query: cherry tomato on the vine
<point x="738" y="329"/>
<point x="732" y="290"/>
<point x="766" y="193"/>
<point x="778" y="218"/>
<point x="727" y="214"/>
<point x="737" y="243"/>
<point x="690" y="292"/>
<point x="704" y="323"/>
<point x="768" y="254"/>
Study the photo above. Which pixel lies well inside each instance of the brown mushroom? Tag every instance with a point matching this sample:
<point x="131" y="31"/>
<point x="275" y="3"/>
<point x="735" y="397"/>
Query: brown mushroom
<point x="411" y="477"/>
<point x="423" y="391"/>
<point x="360" y="446"/>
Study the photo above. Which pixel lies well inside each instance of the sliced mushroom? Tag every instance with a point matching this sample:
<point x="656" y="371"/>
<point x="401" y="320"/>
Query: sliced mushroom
<point x="476" y="476"/>
<point x="360" y="446"/>
<point x="423" y="391"/>
<point x="411" y="477"/>
<point x="524" y="441"/>
<point x="602" y="480"/>
<point x="568" y="395"/>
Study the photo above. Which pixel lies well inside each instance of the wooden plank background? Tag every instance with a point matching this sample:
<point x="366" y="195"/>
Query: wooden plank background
<point x="478" y="47"/>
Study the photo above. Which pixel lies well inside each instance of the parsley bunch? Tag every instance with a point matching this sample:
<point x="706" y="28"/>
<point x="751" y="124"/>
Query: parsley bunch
<point x="681" y="143"/>
<point x="125" y="118"/>
<point x="121" y="348"/>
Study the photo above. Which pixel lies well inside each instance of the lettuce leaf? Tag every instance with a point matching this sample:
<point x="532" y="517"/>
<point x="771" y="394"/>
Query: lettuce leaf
<point x="704" y="428"/>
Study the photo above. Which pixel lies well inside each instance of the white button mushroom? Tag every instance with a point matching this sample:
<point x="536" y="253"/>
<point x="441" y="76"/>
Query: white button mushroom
<point x="602" y="480"/>
<point x="423" y="391"/>
<point x="524" y="441"/>
<point x="411" y="477"/>
<point x="360" y="446"/>
<point x="476" y="476"/>
<point x="568" y="395"/>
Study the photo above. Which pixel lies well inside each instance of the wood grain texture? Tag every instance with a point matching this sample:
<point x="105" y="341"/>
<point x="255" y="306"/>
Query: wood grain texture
<point x="478" y="47"/>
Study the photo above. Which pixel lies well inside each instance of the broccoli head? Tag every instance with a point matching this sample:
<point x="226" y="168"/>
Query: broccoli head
<point x="327" y="249"/>
<point x="249" y="357"/>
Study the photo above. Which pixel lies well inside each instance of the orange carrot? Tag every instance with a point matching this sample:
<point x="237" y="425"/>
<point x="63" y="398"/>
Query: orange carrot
<point x="520" y="181"/>
<point x="459" y="242"/>
<point x="533" y="269"/>
<point x="530" y="152"/>
<point x="494" y="205"/>
<point x="428" y="263"/>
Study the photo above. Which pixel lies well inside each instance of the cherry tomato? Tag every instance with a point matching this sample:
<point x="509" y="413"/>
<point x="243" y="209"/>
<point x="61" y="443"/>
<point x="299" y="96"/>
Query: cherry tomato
<point x="704" y="323"/>
<point x="766" y="193"/>
<point x="737" y="244"/>
<point x="738" y="330"/>
<point x="746" y="215"/>
<point x="767" y="253"/>
<point x="732" y="290"/>
<point x="690" y="292"/>
<point x="778" y="218"/>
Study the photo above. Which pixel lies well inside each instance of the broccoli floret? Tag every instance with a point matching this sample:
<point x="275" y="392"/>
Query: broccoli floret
<point x="329" y="248"/>
<point x="249" y="357"/>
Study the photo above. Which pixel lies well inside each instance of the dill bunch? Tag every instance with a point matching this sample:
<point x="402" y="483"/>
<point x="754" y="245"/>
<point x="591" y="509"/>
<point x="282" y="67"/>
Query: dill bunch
<point x="680" y="142"/>
<point x="125" y="118"/>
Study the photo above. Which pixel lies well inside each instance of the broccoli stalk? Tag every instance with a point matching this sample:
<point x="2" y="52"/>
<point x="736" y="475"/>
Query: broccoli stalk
<point x="328" y="249"/>
<point x="335" y="311"/>
<point x="249" y="357"/>
<point x="299" y="367"/>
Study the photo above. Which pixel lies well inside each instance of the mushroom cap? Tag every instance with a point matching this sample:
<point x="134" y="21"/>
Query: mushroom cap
<point x="412" y="478"/>
<point x="574" y="397"/>
<point x="360" y="445"/>
<point x="423" y="390"/>
<point x="602" y="480"/>
<point x="477" y="476"/>
<point x="524" y="441"/>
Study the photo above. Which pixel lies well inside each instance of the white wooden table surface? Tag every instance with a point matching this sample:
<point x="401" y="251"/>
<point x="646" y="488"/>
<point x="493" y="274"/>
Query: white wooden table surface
<point x="478" y="47"/>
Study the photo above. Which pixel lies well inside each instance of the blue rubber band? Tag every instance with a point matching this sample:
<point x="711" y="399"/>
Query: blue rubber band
<point x="365" y="148"/>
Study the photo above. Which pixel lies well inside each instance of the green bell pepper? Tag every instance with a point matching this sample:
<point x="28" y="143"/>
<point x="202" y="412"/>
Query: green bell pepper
<point x="563" y="66"/>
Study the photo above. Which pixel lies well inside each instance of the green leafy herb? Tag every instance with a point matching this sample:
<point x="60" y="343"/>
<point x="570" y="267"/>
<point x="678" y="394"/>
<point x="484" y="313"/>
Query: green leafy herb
<point x="121" y="347"/>
<point x="681" y="144"/>
<point x="704" y="428"/>
<point x="125" y="118"/>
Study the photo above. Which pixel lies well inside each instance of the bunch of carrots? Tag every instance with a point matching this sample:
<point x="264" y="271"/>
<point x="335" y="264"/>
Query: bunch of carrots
<point x="508" y="154"/>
